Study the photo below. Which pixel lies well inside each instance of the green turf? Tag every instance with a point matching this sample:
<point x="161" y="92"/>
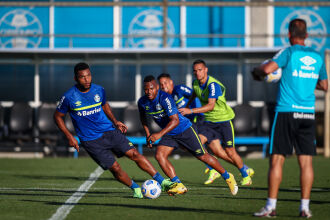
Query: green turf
<point x="36" y="188"/>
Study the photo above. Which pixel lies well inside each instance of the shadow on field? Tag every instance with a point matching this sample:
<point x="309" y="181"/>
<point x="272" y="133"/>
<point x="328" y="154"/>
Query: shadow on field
<point x="77" y="178"/>
<point x="146" y="207"/>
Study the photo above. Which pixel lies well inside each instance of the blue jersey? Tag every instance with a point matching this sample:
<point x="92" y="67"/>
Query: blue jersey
<point x="181" y="95"/>
<point x="85" y="109"/>
<point x="301" y="67"/>
<point x="160" y="109"/>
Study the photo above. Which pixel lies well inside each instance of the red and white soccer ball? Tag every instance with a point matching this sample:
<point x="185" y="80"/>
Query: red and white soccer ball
<point x="151" y="189"/>
<point x="273" y="77"/>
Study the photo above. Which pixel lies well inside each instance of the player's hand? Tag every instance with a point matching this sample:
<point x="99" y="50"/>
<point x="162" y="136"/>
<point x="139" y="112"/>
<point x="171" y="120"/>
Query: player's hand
<point x="258" y="74"/>
<point x="73" y="143"/>
<point x="152" y="139"/>
<point x="121" y="126"/>
<point x="185" y="111"/>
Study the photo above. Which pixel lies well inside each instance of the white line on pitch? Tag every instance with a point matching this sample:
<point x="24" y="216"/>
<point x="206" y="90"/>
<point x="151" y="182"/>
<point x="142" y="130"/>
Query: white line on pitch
<point x="65" y="209"/>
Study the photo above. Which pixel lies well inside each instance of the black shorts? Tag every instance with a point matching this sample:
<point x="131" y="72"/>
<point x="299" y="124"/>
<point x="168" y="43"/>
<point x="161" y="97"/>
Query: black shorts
<point x="205" y="130"/>
<point x="103" y="148"/>
<point x="224" y="131"/>
<point x="188" y="139"/>
<point x="293" y="130"/>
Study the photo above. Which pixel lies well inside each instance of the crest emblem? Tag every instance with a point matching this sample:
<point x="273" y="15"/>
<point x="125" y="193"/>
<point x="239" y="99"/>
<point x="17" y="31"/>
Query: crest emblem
<point x="97" y="98"/>
<point x="158" y="107"/>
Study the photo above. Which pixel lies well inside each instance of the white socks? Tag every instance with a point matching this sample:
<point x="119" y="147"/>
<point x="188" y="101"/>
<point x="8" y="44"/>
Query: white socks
<point x="304" y="205"/>
<point x="271" y="204"/>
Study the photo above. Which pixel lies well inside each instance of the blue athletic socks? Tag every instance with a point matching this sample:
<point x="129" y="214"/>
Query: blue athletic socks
<point x="243" y="172"/>
<point x="225" y="175"/>
<point x="134" y="185"/>
<point x="158" y="178"/>
<point x="176" y="179"/>
<point x="208" y="166"/>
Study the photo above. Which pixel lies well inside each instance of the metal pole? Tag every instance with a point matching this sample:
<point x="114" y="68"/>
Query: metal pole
<point x="327" y="111"/>
<point x="165" y="14"/>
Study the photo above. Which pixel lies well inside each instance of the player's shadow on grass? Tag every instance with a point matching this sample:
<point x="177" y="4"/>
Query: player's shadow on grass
<point x="147" y="207"/>
<point x="76" y="178"/>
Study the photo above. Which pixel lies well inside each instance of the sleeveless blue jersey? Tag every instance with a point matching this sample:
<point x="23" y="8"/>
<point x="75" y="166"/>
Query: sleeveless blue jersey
<point x="160" y="109"/>
<point x="181" y="95"/>
<point x="301" y="67"/>
<point x="85" y="109"/>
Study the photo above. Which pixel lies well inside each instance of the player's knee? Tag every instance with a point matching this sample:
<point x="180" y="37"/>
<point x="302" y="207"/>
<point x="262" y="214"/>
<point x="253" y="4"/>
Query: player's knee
<point x="135" y="155"/>
<point x="231" y="152"/>
<point x="115" y="168"/>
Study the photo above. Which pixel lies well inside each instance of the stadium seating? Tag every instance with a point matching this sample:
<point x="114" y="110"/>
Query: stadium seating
<point x="132" y="121"/>
<point x="48" y="131"/>
<point x="245" y="120"/>
<point x="21" y="122"/>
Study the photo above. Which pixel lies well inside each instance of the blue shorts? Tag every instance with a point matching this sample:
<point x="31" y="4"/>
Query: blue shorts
<point x="188" y="139"/>
<point x="103" y="148"/>
<point x="224" y="131"/>
<point x="207" y="132"/>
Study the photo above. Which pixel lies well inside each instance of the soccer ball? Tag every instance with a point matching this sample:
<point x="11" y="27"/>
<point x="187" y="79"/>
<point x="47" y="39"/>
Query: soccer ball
<point x="151" y="189"/>
<point x="273" y="77"/>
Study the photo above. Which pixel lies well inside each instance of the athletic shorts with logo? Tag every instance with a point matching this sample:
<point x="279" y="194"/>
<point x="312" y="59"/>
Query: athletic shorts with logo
<point x="293" y="130"/>
<point x="188" y="139"/>
<point x="224" y="131"/>
<point x="102" y="150"/>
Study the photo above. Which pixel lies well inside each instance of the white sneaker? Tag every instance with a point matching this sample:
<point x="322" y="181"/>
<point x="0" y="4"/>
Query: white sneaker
<point x="265" y="213"/>
<point x="305" y="214"/>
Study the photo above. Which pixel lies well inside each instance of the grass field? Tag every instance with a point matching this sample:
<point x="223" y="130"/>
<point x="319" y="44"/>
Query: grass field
<point x="36" y="188"/>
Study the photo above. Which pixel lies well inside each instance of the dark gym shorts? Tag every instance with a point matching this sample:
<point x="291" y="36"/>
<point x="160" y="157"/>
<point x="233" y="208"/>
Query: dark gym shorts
<point x="293" y="130"/>
<point x="103" y="148"/>
<point x="188" y="139"/>
<point x="224" y="131"/>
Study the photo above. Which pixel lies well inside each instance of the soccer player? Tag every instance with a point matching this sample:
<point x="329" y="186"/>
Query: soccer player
<point x="176" y="131"/>
<point x="294" y="123"/>
<point x="181" y="95"/>
<point x="218" y="116"/>
<point x="101" y="137"/>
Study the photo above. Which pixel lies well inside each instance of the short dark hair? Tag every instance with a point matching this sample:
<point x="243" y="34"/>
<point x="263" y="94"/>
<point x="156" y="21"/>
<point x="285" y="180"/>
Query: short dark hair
<point x="199" y="61"/>
<point x="80" y="66"/>
<point x="166" y="75"/>
<point x="298" y="28"/>
<point x="148" y="78"/>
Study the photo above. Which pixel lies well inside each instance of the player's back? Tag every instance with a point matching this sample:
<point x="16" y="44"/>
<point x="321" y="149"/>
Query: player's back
<point x="301" y="68"/>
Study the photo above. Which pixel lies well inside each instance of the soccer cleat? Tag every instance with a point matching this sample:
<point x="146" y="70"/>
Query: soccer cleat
<point x="231" y="182"/>
<point x="206" y="170"/>
<point x="305" y="214"/>
<point x="250" y="172"/>
<point x="167" y="185"/>
<point x="178" y="189"/>
<point x="246" y="181"/>
<point x="265" y="213"/>
<point x="137" y="193"/>
<point x="212" y="176"/>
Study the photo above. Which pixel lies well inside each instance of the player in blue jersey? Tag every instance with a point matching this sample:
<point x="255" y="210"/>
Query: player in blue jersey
<point x="181" y="95"/>
<point x="303" y="70"/>
<point x="176" y="131"/>
<point x="101" y="137"/>
<point x="218" y="115"/>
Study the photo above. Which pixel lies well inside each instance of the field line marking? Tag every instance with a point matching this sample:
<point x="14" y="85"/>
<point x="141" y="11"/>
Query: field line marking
<point x="65" y="209"/>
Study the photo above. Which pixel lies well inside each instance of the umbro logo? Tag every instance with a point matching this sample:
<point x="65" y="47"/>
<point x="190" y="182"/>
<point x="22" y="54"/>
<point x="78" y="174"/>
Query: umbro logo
<point x="307" y="60"/>
<point x="147" y="107"/>
<point x="78" y="103"/>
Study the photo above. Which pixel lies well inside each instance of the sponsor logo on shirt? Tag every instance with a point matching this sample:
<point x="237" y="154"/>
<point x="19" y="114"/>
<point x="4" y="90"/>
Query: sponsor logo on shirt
<point x="168" y="104"/>
<point x="175" y="98"/>
<point x="90" y="112"/>
<point x="300" y="115"/>
<point x="61" y="102"/>
<point x="212" y="89"/>
<point x="97" y="98"/>
<point x="303" y="107"/>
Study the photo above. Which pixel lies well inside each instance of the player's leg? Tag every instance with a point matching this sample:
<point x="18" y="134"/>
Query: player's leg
<point x="162" y="155"/>
<point x="226" y="131"/>
<point x="190" y="140"/>
<point x="100" y="153"/>
<point x="306" y="182"/>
